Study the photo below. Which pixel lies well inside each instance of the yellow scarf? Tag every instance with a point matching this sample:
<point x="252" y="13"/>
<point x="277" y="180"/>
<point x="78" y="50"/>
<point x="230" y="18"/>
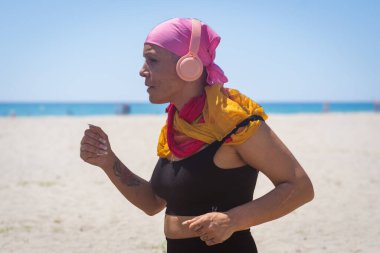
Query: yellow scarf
<point x="221" y="114"/>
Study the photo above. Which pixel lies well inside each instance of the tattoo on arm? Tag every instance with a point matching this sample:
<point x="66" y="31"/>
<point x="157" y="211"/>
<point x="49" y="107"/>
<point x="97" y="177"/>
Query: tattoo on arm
<point x="124" y="174"/>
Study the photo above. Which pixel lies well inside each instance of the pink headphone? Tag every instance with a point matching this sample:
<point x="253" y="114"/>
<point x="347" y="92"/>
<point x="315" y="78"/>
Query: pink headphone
<point x="190" y="67"/>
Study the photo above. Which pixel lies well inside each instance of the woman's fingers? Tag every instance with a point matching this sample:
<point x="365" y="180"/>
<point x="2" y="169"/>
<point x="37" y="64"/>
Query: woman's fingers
<point x="210" y="242"/>
<point x="99" y="131"/>
<point x="92" y="134"/>
<point x="210" y="227"/>
<point x="196" y="224"/>
<point x="92" y="149"/>
<point x="206" y="237"/>
<point x="95" y="134"/>
<point x="209" y="239"/>
<point x="93" y="142"/>
<point x="95" y="147"/>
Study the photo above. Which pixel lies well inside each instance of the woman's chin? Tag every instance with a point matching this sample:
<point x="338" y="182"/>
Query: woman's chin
<point x="155" y="100"/>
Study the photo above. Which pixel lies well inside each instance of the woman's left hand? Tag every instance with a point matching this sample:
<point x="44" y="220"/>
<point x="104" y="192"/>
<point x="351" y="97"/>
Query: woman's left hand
<point x="213" y="228"/>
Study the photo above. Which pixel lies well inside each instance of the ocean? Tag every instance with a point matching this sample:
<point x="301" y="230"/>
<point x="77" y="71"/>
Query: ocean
<point x="87" y="109"/>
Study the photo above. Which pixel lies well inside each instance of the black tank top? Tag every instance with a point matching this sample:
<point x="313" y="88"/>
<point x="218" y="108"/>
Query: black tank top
<point x="195" y="185"/>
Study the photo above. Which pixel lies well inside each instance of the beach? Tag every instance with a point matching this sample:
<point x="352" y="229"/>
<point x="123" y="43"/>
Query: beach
<point x="51" y="201"/>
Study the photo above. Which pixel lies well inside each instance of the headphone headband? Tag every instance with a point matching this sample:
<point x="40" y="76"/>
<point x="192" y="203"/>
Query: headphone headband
<point x="195" y="38"/>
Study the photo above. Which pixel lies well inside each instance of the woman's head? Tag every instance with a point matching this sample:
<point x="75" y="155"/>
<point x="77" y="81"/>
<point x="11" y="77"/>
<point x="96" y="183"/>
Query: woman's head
<point x="159" y="71"/>
<point x="174" y="35"/>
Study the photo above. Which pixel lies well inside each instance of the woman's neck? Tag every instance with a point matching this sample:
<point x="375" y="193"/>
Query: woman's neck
<point x="189" y="92"/>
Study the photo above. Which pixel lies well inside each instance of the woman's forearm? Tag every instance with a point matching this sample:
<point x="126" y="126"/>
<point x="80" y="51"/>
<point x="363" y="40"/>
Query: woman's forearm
<point x="285" y="198"/>
<point x="136" y="189"/>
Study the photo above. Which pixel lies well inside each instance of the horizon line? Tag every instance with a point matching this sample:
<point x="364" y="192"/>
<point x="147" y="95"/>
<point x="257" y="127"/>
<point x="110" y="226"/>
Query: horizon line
<point x="147" y="102"/>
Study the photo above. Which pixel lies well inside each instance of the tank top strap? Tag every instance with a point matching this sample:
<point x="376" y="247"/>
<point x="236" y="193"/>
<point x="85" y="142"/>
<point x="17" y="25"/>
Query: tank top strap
<point x="245" y="122"/>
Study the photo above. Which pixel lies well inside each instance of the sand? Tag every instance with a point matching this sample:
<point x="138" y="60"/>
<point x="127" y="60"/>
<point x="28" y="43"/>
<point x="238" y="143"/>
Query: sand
<point x="51" y="201"/>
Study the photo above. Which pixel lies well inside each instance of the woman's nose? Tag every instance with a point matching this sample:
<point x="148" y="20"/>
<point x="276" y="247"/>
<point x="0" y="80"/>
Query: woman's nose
<point x="144" y="71"/>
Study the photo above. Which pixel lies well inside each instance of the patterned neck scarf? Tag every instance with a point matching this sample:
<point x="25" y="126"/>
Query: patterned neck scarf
<point x="205" y="119"/>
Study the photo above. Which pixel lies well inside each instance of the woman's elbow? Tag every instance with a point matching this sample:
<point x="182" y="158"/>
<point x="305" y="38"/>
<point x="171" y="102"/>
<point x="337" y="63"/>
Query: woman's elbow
<point x="307" y="189"/>
<point x="152" y="212"/>
<point x="155" y="209"/>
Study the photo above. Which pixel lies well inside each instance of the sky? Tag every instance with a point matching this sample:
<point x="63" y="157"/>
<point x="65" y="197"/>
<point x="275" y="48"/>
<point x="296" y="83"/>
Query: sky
<point x="272" y="51"/>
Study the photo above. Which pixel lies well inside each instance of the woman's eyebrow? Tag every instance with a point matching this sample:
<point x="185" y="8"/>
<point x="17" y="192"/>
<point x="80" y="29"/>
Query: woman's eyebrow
<point x="149" y="54"/>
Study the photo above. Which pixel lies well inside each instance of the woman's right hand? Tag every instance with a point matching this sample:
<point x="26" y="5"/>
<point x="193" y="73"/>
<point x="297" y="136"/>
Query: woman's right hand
<point x="95" y="148"/>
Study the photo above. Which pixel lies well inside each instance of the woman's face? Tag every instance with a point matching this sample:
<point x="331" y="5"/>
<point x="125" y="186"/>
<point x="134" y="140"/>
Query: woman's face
<point x="159" y="71"/>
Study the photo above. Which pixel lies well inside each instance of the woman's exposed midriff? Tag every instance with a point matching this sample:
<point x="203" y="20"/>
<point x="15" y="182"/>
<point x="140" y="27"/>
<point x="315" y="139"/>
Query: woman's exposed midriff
<point x="174" y="229"/>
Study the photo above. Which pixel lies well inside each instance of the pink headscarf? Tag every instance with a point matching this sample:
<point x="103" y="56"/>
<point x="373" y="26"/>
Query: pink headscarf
<point x="174" y="35"/>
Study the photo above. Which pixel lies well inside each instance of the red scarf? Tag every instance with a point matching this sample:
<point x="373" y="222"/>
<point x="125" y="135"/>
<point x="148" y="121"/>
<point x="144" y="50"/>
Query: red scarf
<point x="181" y="145"/>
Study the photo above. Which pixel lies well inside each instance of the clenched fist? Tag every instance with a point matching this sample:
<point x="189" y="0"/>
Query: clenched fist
<point x="96" y="149"/>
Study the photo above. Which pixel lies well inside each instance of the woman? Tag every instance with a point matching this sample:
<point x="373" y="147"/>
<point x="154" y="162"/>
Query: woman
<point x="211" y="149"/>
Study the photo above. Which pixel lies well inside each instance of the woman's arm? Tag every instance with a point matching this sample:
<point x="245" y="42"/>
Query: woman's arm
<point x="293" y="188"/>
<point x="96" y="150"/>
<point x="137" y="190"/>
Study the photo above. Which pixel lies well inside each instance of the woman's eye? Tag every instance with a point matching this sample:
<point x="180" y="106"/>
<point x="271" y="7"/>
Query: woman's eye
<point x="152" y="60"/>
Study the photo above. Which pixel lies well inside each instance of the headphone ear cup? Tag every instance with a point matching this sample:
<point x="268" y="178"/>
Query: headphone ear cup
<point x="189" y="68"/>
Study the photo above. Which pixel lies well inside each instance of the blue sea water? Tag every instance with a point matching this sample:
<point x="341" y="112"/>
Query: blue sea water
<point x="86" y="109"/>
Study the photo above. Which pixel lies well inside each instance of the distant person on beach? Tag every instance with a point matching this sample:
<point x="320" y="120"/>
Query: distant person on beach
<point x="125" y="109"/>
<point x="211" y="149"/>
